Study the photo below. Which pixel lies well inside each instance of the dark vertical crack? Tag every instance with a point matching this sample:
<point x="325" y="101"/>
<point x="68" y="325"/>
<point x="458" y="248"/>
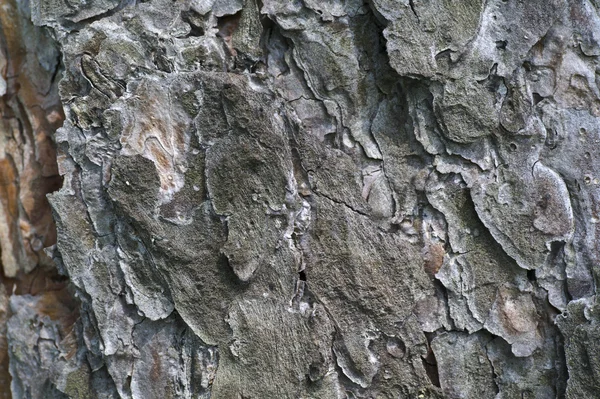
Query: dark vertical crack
<point x="411" y="3"/>
<point x="430" y="363"/>
<point x="495" y="375"/>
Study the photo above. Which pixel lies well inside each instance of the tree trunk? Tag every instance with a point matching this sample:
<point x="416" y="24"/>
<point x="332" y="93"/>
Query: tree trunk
<point x="299" y="199"/>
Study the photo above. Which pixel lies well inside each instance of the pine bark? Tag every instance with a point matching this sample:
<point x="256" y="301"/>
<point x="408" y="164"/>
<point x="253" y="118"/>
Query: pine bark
<point x="299" y="199"/>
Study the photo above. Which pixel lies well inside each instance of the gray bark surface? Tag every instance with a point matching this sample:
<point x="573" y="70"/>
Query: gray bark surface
<point x="314" y="199"/>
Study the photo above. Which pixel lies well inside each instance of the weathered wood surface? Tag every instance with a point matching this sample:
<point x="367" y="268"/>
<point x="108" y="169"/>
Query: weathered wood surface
<point x="302" y="199"/>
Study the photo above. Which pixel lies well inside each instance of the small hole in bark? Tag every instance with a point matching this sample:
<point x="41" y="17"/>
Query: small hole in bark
<point x="227" y="25"/>
<point x="537" y="98"/>
<point x="531" y="275"/>
<point x="513" y="146"/>
<point x="193" y="19"/>
<point x="302" y="275"/>
<point x="555" y="248"/>
<point x="394" y="228"/>
<point x="196" y="31"/>
<point x="314" y="372"/>
<point x="329" y="139"/>
<point x="501" y="44"/>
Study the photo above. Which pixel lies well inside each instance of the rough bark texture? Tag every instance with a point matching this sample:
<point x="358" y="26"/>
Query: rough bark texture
<point x="300" y="199"/>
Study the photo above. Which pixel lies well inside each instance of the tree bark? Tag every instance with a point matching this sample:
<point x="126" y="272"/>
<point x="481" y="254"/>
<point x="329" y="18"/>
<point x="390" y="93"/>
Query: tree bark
<point x="300" y="199"/>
